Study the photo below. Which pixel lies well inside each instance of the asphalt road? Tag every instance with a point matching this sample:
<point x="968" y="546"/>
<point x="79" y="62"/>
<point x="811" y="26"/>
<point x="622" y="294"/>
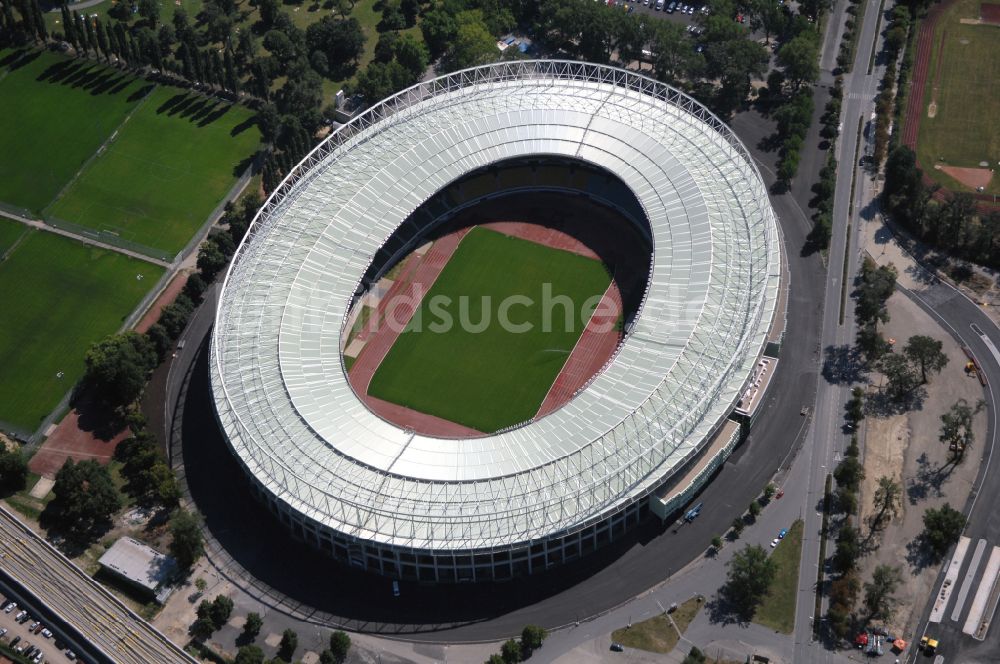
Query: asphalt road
<point x="101" y="619"/>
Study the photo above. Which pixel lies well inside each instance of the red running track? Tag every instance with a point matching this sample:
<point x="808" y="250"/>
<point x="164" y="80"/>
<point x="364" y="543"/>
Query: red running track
<point x="592" y="350"/>
<point x="394" y="312"/>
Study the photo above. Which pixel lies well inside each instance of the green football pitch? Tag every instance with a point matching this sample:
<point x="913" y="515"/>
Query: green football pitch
<point x="57" y="297"/>
<point x="963" y="83"/>
<point x="490" y="378"/>
<point x="169" y="166"/>
<point x="54" y="113"/>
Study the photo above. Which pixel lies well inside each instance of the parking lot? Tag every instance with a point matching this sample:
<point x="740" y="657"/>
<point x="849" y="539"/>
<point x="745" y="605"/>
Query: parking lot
<point x="18" y="633"/>
<point x="649" y="9"/>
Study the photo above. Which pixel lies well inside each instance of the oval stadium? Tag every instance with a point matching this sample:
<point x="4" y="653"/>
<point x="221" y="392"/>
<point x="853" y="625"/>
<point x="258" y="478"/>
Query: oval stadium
<point x="479" y="451"/>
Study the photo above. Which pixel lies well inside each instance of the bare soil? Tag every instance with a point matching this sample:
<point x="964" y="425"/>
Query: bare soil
<point x="905" y="446"/>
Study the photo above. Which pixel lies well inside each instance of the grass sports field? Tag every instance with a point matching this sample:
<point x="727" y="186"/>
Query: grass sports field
<point x="962" y="83"/>
<point x="492" y="378"/>
<point x="57" y="297"/>
<point x="165" y="171"/>
<point x="56" y="112"/>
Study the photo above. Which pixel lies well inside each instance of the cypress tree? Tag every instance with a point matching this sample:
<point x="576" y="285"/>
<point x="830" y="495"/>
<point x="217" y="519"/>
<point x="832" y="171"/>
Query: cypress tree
<point x="81" y="34"/>
<point x="102" y="39"/>
<point x="40" y="29"/>
<point x="68" y="25"/>
<point x="91" y="38"/>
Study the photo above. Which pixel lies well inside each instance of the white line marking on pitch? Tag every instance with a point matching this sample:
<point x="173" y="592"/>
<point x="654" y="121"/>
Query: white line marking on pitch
<point x="937" y="613"/>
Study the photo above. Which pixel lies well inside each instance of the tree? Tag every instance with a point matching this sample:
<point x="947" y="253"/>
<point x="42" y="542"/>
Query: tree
<point x="886" y="501"/>
<point x="251" y="628"/>
<point x="439" y="29"/>
<point x="221" y="610"/>
<point x="879" y="597"/>
<point x="717" y="542"/>
<point x="856" y="406"/>
<point x="532" y="637"/>
<point x="118" y="366"/>
<point x="848" y="549"/>
<point x="473" y="44"/>
<point x="187" y="543"/>
<point x="341" y="41"/>
<point x="694" y="656"/>
<point x="847" y="500"/>
<point x="85" y="499"/>
<point x="13" y="470"/>
<point x="769" y="491"/>
<point x="901" y="379"/>
<point x="849" y="473"/>
<point x="340" y="645"/>
<point x="926" y="353"/>
<point x="877" y="284"/>
<point x="800" y="58"/>
<point x="738" y="525"/>
<point x="942" y="528"/>
<point x="748" y="576"/>
<point x="289" y="642"/>
<point x="510" y="651"/>
<point x="379" y="80"/>
<point x="150" y="10"/>
<point x="249" y="655"/>
<point x="754" y="509"/>
<point x="956" y="427"/>
<point x="412" y="55"/>
<point x="202" y="627"/>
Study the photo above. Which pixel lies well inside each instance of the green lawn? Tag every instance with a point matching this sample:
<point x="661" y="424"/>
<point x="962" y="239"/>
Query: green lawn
<point x="57" y="297"/>
<point x="56" y="112"/>
<point x="164" y="173"/>
<point x="777" y="611"/>
<point x="10" y="233"/>
<point x="492" y="378"/>
<point x="964" y="130"/>
<point x="658" y="634"/>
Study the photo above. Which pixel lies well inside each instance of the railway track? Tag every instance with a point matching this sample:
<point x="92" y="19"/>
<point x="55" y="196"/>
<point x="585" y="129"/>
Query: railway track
<point x="99" y="617"/>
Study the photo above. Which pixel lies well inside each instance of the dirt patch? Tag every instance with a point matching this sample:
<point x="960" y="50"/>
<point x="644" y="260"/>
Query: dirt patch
<point x="906" y="448"/>
<point x="71" y="441"/>
<point x="932" y="109"/>
<point x="973" y="178"/>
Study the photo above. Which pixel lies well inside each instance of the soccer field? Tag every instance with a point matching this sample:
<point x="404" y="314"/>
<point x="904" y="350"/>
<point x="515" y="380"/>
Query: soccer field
<point x="58" y="297"/>
<point x="169" y="166"/>
<point x="490" y="378"/>
<point x="962" y="83"/>
<point x="54" y="113"/>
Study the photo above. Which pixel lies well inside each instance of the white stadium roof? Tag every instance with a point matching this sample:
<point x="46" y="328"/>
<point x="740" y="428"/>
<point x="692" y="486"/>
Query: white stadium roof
<point x="280" y="389"/>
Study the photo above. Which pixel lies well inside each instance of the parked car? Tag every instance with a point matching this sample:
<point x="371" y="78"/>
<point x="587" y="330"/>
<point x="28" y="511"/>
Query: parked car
<point x="3" y="630"/>
<point x="37" y="628"/>
<point x="781" y="535"/>
<point x="10" y="607"/>
<point x="47" y="633"/>
<point x="774" y="542"/>
<point x="617" y="647"/>
<point x="33" y="625"/>
<point x="14" y="641"/>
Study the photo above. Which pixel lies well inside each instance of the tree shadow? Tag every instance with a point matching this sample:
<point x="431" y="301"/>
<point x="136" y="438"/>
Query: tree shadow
<point x="169" y="104"/>
<point x="243" y="165"/>
<point x="770" y="143"/>
<point x="219" y="111"/>
<point x="722" y="611"/>
<point x="19" y="58"/>
<point x="929" y="480"/>
<point x="919" y="555"/>
<point x="883" y="404"/>
<point x="140" y="93"/>
<point x="243" y="126"/>
<point x="843" y="364"/>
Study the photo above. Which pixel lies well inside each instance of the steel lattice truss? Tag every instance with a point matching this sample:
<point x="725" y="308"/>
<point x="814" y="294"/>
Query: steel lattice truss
<point x="280" y="390"/>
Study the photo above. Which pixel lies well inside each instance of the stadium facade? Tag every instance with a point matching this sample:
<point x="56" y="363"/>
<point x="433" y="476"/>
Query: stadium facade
<point x="549" y="491"/>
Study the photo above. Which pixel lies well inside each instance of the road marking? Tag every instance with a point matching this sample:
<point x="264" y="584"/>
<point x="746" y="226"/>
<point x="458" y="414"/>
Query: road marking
<point x="986" y="588"/>
<point x="986" y="340"/>
<point x="970" y="574"/>
<point x="937" y="613"/>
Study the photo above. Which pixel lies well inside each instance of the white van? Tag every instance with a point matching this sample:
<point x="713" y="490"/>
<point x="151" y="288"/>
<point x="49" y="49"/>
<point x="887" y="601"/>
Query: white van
<point x="659" y="5"/>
